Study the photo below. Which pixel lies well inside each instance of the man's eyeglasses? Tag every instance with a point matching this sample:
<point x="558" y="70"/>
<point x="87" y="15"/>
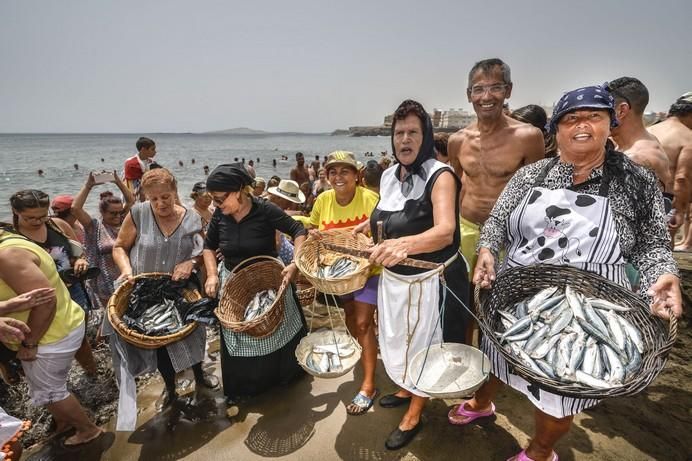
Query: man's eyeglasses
<point x="496" y="89"/>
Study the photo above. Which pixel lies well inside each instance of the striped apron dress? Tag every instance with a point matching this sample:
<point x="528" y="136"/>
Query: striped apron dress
<point x="560" y="227"/>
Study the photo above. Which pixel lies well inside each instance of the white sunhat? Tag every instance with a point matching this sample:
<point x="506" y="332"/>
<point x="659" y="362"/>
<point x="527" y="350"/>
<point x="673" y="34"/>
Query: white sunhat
<point x="288" y="189"/>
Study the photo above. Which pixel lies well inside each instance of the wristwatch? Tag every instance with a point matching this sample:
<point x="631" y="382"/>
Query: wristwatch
<point x="26" y="345"/>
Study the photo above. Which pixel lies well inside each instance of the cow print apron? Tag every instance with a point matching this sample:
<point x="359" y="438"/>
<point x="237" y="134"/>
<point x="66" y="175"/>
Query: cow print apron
<point x="560" y="227"/>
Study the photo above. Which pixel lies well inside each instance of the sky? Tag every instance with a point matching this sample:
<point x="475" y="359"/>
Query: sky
<point x="181" y="66"/>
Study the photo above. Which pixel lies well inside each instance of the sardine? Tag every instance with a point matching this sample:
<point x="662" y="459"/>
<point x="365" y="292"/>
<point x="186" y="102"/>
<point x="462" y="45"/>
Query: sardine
<point x="594" y="319"/>
<point x="615" y="329"/>
<point x="632" y="333"/>
<point x="537" y="337"/>
<point x="574" y="303"/>
<point x="617" y="369"/>
<point x="546" y="368"/>
<point x="577" y="354"/>
<point x="607" y="305"/>
<point x="544" y="347"/>
<point x="590" y="381"/>
<point x="561" y="321"/>
<point x="540" y="297"/>
<point x="520" y="325"/>
<point x="521" y="310"/>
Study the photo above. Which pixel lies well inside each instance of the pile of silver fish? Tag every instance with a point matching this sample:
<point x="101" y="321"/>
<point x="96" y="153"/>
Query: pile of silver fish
<point x="341" y="267"/>
<point x="157" y="320"/>
<point x="259" y="304"/>
<point x="327" y="357"/>
<point x="571" y="338"/>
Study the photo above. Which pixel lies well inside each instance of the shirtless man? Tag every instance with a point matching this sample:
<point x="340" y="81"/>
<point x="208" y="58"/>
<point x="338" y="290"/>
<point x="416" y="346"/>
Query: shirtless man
<point x="488" y="152"/>
<point x="675" y="134"/>
<point x="299" y="173"/>
<point x="631" y="137"/>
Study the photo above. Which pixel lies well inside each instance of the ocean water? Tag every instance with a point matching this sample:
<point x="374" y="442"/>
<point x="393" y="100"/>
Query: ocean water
<point x="22" y="155"/>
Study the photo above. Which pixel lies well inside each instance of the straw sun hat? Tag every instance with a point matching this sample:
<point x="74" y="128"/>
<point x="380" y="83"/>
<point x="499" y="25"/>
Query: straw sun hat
<point x="290" y="190"/>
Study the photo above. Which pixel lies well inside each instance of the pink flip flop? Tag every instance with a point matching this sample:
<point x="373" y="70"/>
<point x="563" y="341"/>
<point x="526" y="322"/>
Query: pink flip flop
<point x="522" y="456"/>
<point x="470" y="415"/>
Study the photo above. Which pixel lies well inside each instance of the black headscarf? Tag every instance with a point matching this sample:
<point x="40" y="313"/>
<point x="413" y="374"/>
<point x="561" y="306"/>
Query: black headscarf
<point x="230" y="177"/>
<point x="427" y="148"/>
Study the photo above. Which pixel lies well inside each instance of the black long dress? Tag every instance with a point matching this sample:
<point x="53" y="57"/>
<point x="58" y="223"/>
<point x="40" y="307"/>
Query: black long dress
<point x="412" y="214"/>
<point x="250" y="366"/>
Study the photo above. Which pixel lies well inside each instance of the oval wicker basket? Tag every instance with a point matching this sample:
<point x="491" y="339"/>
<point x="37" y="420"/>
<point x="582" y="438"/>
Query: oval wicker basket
<point x="241" y="288"/>
<point x="312" y="251"/>
<point x="306" y="345"/>
<point x="516" y="284"/>
<point x="117" y="305"/>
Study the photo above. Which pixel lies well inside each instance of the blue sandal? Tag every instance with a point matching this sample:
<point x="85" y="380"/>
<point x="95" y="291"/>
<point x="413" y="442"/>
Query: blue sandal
<point x="361" y="403"/>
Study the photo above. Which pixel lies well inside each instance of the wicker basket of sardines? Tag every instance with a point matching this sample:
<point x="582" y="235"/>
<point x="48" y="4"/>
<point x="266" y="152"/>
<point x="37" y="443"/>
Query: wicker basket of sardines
<point x="330" y="271"/>
<point x="253" y="297"/>
<point x="574" y="333"/>
<point x="150" y="320"/>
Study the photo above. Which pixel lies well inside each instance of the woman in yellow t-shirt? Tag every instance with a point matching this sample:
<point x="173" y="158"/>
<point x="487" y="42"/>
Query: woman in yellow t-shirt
<point x="346" y="205"/>
<point x="56" y="328"/>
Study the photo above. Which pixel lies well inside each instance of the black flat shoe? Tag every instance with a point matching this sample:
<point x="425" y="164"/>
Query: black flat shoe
<point x="399" y="439"/>
<point x="393" y="401"/>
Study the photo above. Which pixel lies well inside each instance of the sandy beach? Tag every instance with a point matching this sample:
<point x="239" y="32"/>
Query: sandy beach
<point x="308" y="421"/>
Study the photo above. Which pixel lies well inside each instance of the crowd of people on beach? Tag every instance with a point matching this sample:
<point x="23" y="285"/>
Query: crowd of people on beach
<point x="474" y="203"/>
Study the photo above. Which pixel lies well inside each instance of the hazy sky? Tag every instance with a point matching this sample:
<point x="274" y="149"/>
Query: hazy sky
<point x="178" y="66"/>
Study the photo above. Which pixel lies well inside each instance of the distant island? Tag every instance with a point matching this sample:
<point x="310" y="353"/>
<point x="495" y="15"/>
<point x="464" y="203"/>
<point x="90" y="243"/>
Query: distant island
<point x="244" y="131"/>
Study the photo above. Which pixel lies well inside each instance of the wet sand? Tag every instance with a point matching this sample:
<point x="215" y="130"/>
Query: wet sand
<point x="307" y="421"/>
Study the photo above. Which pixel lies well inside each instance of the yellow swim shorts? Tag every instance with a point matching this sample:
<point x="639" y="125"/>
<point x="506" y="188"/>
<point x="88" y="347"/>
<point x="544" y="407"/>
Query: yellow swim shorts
<point x="470" y="235"/>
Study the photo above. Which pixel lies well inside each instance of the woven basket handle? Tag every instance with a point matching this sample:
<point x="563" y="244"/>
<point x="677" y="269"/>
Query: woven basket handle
<point x="252" y="258"/>
<point x="672" y="328"/>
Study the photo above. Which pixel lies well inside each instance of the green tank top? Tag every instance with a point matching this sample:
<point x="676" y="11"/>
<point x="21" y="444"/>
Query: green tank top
<point x="68" y="314"/>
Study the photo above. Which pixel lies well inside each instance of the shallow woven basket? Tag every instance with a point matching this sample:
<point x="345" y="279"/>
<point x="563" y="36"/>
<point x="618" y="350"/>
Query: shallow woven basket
<point x="117" y="305"/>
<point x="312" y="250"/>
<point x="306" y="344"/>
<point x="241" y="288"/>
<point x="516" y="284"/>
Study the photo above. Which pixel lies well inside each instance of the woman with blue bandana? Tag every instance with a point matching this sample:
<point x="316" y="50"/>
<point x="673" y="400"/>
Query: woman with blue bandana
<point x="591" y="208"/>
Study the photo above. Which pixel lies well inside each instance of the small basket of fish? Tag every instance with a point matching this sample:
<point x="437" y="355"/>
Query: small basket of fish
<point x="253" y="297"/>
<point x="332" y="271"/>
<point x="449" y="370"/>
<point x="328" y="353"/>
<point x="574" y="333"/>
<point x="148" y="316"/>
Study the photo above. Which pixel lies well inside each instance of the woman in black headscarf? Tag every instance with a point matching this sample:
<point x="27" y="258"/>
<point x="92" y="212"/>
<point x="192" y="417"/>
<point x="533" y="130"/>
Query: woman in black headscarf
<point x="419" y="211"/>
<point x="244" y="226"/>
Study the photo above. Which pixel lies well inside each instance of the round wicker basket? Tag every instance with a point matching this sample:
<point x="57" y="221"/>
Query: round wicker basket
<point x="117" y="305"/>
<point x="516" y="284"/>
<point x="323" y="337"/>
<point x="312" y="252"/>
<point x="241" y="288"/>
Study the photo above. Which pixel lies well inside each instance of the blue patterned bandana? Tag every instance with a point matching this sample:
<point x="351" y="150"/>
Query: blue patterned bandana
<point x="589" y="97"/>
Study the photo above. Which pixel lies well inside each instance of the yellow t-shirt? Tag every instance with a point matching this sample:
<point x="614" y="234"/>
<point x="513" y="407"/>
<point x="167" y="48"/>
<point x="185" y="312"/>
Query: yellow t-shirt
<point x="328" y="214"/>
<point x="68" y="314"/>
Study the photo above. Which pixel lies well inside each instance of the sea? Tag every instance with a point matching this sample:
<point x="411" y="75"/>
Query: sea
<point x="67" y="159"/>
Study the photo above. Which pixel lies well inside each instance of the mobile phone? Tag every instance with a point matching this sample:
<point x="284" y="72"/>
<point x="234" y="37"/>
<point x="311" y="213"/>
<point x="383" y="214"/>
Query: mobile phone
<point x="103" y="177"/>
